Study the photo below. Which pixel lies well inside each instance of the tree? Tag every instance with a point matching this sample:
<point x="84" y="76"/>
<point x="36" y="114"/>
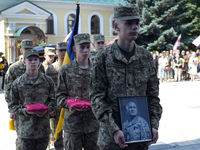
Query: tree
<point x="161" y="24"/>
<point x="194" y="29"/>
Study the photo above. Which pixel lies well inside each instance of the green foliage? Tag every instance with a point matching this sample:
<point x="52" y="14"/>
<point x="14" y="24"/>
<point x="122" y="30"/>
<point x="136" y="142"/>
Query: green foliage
<point x="162" y="23"/>
<point x="42" y="43"/>
<point x="19" y="45"/>
<point x="1" y="54"/>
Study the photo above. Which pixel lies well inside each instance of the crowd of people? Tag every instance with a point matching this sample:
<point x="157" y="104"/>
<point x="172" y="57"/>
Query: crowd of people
<point x="178" y="65"/>
<point x="122" y="69"/>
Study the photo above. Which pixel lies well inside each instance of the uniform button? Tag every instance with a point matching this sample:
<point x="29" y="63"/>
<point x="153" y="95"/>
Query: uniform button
<point x="129" y="84"/>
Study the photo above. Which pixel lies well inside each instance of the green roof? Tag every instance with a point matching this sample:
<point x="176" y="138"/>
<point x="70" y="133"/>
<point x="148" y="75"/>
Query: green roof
<point x="102" y="2"/>
<point x="23" y="2"/>
<point x="38" y="31"/>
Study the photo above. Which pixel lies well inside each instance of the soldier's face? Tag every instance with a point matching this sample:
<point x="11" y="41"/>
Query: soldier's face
<point x="99" y="45"/>
<point x="49" y="58"/>
<point x="128" y="29"/>
<point x="82" y="51"/>
<point x="32" y="62"/>
<point x="132" y="109"/>
<point x="61" y="53"/>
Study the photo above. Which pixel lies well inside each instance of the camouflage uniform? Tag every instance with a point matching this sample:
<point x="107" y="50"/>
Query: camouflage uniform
<point x="114" y="76"/>
<point x="45" y="66"/>
<point x="80" y="127"/>
<point x="25" y="92"/>
<point x="136" y="129"/>
<point x="93" y="54"/>
<point x="15" y="71"/>
<point x="48" y="51"/>
<point x="52" y="71"/>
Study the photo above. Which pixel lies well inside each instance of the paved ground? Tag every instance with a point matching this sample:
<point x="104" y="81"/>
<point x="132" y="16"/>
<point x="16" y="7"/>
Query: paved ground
<point x="179" y="126"/>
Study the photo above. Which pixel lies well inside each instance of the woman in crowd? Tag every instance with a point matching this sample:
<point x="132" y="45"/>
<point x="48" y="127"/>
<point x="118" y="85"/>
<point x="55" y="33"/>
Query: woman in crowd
<point x="179" y="64"/>
<point x="162" y="62"/>
<point x="193" y="62"/>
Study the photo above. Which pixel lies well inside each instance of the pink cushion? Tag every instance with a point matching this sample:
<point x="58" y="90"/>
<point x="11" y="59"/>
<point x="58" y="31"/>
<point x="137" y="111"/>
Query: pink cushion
<point x="36" y="107"/>
<point x="77" y="103"/>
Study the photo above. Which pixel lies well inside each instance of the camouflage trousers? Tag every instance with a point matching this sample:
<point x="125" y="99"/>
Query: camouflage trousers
<point x="17" y="143"/>
<point x="34" y="144"/>
<point x="77" y="141"/>
<point x="59" y="142"/>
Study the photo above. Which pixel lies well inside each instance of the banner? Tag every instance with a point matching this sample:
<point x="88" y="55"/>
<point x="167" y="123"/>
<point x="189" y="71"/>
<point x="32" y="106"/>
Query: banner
<point x="196" y="42"/>
<point x="178" y="42"/>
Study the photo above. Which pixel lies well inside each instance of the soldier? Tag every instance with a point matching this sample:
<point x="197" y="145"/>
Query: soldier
<point x="15" y="71"/>
<point x="123" y="69"/>
<point x="49" y="55"/>
<point x="52" y="71"/>
<point x="99" y="42"/>
<point x="30" y="88"/>
<point x="135" y="128"/>
<point x="80" y="125"/>
<point x="93" y="54"/>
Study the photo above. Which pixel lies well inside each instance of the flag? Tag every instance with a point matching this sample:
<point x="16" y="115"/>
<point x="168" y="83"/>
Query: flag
<point x="67" y="37"/>
<point x="112" y="41"/>
<point x="69" y="56"/>
<point x="178" y="42"/>
<point x="196" y="42"/>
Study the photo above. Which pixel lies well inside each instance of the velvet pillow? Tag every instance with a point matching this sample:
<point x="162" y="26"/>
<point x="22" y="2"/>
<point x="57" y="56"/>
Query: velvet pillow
<point x="36" y="107"/>
<point x="77" y="103"/>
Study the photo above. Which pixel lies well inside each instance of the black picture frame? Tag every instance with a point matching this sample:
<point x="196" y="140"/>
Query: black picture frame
<point x="135" y="120"/>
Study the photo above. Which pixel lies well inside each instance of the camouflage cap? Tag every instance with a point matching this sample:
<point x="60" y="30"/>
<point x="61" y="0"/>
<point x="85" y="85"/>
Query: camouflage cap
<point x="27" y="44"/>
<point x="82" y="38"/>
<point x="30" y="52"/>
<point x="127" y="12"/>
<point x="93" y="53"/>
<point x="49" y="51"/>
<point x="99" y="38"/>
<point x="61" y="45"/>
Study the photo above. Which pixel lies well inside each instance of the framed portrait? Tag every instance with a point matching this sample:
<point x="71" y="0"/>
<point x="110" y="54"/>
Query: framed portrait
<point x="135" y="120"/>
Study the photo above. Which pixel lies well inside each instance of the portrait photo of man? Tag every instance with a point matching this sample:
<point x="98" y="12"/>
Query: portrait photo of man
<point x="135" y="128"/>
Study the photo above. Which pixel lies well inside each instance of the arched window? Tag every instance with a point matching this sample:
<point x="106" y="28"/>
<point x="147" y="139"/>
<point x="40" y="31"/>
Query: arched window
<point x="70" y="22"/>
<point x="50" y="27"/>
<point x="95" y="26"/>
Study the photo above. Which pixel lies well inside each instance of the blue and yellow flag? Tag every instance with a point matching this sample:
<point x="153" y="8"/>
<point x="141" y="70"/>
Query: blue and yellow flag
<point x="69" y="56"/>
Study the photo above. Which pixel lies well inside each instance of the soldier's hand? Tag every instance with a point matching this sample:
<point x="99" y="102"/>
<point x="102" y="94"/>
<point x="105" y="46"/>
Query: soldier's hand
<point x="119" y="139"/>
<point x="40" y="114"/>
<point x="53" y="113"/>
<point x="82" y="109"/>
<point x="30" y="112"/>
<point x="12" y="116"/>
<point x="155" y="136"/>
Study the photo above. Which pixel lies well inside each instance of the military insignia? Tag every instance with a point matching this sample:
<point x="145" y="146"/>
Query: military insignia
<point x="28" y="43"/>
<point x="133" y="10"/>
<point x="84" y="36"/>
